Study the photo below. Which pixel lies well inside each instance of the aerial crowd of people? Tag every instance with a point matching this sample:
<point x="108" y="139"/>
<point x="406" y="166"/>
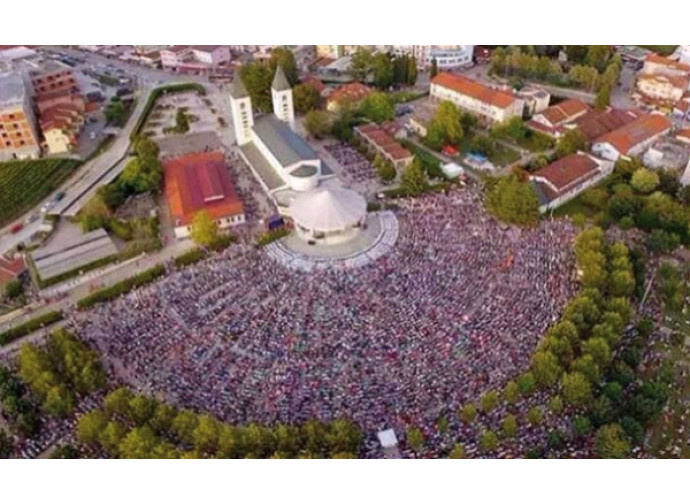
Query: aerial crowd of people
<point x="455" y="309"/>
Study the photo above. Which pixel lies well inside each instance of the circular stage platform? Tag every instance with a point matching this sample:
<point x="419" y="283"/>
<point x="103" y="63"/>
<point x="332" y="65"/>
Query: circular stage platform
<point x="372" y="243"/>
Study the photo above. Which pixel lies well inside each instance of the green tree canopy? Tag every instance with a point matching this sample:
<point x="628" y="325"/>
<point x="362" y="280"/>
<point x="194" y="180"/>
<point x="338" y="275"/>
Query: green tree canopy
<point x="513" y="201"/>
<point x="377" y="107"/>
<point x="204" y="230"/>
<point x="305" y="98"/>
<point x="445" y="126"/>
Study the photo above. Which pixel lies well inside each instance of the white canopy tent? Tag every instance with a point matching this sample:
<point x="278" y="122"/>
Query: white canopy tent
<point x="328" y="214"/>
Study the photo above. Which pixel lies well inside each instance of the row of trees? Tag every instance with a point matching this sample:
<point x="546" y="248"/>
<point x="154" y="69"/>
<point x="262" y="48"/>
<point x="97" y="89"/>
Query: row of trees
<point x="60" y="371"/>
<point x="577" y="354"/>
<point x="384" y="69"/>
<point x="649" y="200"/>
<point x="18" y="408"/>
<point x="136" y="426"/>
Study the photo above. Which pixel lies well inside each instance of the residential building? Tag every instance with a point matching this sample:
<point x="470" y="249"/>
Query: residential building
<point x="683" y="135"/>
<point x="194" y="58"/>
<point x="18" y="133"/>
<point x="597" y="123"/>
<point x="681" y="109"/>
<point x="668" y="154"/>
<point x="53" y="78"/>
<point x="330" y="51"/>
<point x="201" y="183"/>
<point x="353" y="93"/>
<point x="489" y="104"/>
<point x="658" y="65"/>
<point x="10" y="268"/>
<point x="564" y="179"/>
<point x="661" y="89"/>
<point x="633" y="138"/>
<point x="381" y="141"/>
<point x="536" y="99"/>
<point x="60" y="126"/>
<point x="552" y="119"/>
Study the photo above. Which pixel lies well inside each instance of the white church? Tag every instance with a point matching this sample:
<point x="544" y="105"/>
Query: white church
<point x="304" y="188"/>
<point x="281" y="159"/>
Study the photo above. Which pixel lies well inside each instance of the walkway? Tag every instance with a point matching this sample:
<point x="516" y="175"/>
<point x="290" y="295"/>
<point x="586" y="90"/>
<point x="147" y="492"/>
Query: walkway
<point x="293" y="253"/>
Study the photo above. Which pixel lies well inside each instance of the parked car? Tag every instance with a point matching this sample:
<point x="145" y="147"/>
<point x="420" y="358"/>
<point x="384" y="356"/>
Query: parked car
<point x="17" y="227"/>
<point x="59" y="196"/>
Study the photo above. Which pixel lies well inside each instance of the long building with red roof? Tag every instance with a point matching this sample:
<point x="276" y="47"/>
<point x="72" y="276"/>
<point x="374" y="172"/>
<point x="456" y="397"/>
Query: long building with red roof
<point x="633" y="138"/>
<point x="491" y="105"/>
<point x="201" y="183"/>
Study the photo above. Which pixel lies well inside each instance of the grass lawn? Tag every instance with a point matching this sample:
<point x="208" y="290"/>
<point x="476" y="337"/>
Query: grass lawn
<point x="503" y="156"/>
<point x="664" y="50"/>
<point x="23" y="184"/>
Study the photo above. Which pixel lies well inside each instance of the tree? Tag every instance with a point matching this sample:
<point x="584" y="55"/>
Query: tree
<point x="488" y="441"/>
<point x="445" y="126"/>
<point x="468" y="413"/>
<point x="603" y="98"/>
<point x="382" y="67"/>
<point x="458" y="452"/>
<point x="142" y="409"/>
<point x="599" y="349"/>
<point x="415" y="438"/>
<point x="206" y="434"/>
<point x="556" y="404"/>
<point x="287" y="439"/>
<point x="489" y="401"/>
<point x="434" y="68"/>
<point x="509" y="426"/>
<point x="644" y="181"/>
<point x="598" y="56"/>
<point x="577" y="389"/>
<point x="584" y="76"/>
<point x="13" y="289"/>
<point x="283" y="57"/>
<point x="184" y="425"/>
<point x="257" y="79"/>
<point x="204" y="230"/>
<point x="513" y="201"/>
<point x="360" y="64"/>
<point x="481" y="144"/>
<point x="377" y="107"/>
<point x="511" y="392"/>
<point x="411" y="71"/>
<point x="181" y="122"/>
<point x="91" y="426"/>
<point x="112" y="436"/>
<point x="581" y="426"/>
<point x="546" y="368"/>
<point x="115" y="112"/>
<point x="385" y="170"/>
<point x="118" y="402"/>
<point x="610" y="442"/>
<point x="571" y="142"/>
<point x="576" y="53"/>
<point x="318" y="123"/>
<point x="526" y="383"/>
<point x="535" y="415"/>
<point x="343" y="436"/>
<point x="7" y="445"/>
<point x="413" y="178"/>
<point x="305" y="98"/>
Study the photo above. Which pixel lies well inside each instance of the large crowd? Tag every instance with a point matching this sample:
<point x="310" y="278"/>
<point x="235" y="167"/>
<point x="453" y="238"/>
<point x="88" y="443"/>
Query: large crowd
<point x="455" y="309"/>
<point x="356" y="168"/>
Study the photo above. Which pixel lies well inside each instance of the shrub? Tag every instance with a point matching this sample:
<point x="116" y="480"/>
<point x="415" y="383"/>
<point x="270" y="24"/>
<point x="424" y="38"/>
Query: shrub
<point x="123" y="287"/>
<point x="30" y="326"/>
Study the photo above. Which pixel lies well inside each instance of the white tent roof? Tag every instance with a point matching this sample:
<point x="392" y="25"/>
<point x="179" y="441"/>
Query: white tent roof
<point x="388" y="439"/>
<point x="328" y="209"/>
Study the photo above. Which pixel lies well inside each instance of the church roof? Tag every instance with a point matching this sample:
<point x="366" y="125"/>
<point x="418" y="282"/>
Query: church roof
<point x="328" y="209"/>
<point x="280" y="82"/>
<point x="286" y="145"/>
<point x="237" y="89"/>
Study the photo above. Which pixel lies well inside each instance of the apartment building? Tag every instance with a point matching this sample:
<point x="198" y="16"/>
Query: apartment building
<point x="490" y="105"/>
<point x="18" y="134"/>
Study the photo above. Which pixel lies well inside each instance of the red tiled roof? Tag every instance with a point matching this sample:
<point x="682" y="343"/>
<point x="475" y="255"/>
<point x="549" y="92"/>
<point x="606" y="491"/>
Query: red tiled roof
<point x="597" y="123"/>
<point x="565" y="111"/>
<point x="474" y="89"/>
<point x="10" y="268"/>
<point x="683" y="135"/>
<point x="353" y="91"/>
<point x="315" y="83"/>
<point x="636" y="132"/>
<point x="569" y="170"/>
<point x="199" y="182"/>
<point x="655" y="58"/>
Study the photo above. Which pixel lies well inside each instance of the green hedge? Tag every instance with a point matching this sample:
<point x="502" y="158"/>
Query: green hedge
<point x="30" y="326"/>
<point x="157" y="93"/>
<point x="191" y="257"/>
<point x="120" y="288"/>
<point x="74" y="272"/>
<point x="272" y="236"/>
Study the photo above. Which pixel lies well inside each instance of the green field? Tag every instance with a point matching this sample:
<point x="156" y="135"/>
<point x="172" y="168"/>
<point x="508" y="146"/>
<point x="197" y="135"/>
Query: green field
<point x="23" y="184"/>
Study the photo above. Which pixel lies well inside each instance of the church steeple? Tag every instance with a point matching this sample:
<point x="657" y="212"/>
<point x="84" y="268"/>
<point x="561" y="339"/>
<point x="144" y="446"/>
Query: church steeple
<point x="281" y="92"/>
<point x="241" y="108"/>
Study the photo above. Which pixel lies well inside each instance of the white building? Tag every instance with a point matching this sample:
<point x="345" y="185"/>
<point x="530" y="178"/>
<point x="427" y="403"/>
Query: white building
<point x="632" y="139"/>
<point x="492" y="105"/>
<point x="447" y="56"/>
<point x="280" y="158"/>
<point x="564" y="179"/>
